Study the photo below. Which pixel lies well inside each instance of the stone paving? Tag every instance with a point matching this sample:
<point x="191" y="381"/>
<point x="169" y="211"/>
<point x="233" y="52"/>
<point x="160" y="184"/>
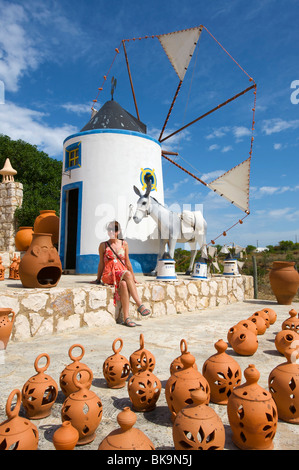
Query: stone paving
<point x="162" y="335"/>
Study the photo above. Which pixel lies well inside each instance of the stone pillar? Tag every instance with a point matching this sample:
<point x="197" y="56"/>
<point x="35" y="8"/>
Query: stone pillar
<point x="11" y="197"/>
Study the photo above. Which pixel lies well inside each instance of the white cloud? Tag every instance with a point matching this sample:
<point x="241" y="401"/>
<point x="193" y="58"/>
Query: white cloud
<point x="27" y="124"/>
<point x="214" y="147"/>
<point x="208" y="177"/>
<point x="227" y="148"/>
<point x="275" y="125"/>
<point x="277" y="146"/>
<point x="241" y="131"/>
<point x="221" y="132"/>
<point x="77" y="108"/>
<point x="257" y="193"/>
<point x="17" y="51"/>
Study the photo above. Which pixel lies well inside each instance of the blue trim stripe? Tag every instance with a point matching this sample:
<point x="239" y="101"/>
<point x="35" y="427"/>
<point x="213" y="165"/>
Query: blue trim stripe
<point x="112" y="131"/>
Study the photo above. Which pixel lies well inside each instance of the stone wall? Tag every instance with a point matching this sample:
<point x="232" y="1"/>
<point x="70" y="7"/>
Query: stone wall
<point x="48" y="311"/>
<point x="11" y="197"/>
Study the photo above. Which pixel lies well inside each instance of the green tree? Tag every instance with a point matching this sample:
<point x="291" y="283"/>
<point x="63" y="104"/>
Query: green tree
<point x="39" y="174"/>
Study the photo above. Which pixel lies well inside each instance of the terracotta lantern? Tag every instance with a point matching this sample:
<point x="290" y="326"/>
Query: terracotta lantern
<point x="126" y="437"/>
<point x="181" y="383"/>
<point x="260" y="323"/>
<point x="223" y="374"/>
<point x="197" y="426"/>
<point x="285" y="339"/>
<point x="17" y="433"/>
<point x="291" y="323"/>
<point x="177" y="362"/>
<point x="39" y="393"/>
<point x="66" y="377"/>
<point x="116" y="368"/>
<point x="40" y="266"/>
<point x="284" y="386"/>
<point x="252" y="414"/>
<point x="84" y="410"/>
<point x="144" y="387"/>
<point x="135" y="361"/>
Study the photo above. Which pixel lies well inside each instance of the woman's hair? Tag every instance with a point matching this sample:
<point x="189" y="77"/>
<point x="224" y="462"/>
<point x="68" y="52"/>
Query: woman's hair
<point x="116" y="226"/>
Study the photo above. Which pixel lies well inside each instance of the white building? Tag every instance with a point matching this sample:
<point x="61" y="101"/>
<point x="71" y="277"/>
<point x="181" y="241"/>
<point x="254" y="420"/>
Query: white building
<point x="101" y="164"/>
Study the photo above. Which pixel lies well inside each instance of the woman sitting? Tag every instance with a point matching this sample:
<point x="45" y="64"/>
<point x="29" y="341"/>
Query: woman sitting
<point x="115" y="269"/>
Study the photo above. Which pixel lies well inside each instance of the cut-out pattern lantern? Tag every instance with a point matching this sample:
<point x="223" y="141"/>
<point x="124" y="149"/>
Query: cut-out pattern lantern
<point x="116" y="368"/>
<point x="144" y="387"/>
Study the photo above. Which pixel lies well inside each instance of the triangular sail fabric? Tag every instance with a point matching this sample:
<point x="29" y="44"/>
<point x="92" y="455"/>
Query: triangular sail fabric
<point x="234" y="185"/>
<point x="179" y="47"/>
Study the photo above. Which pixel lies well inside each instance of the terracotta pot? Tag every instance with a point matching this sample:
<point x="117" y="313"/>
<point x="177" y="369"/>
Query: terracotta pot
<point x="197" y="426"/>
<point x="222" y="372"/>
<point x="260" y="323"/>
<point x="116" y="368"/>
<point x="135" y="357"/>
<point x="264" y="315"/>
<point x="180" y="384"/>
<point x="47" y="222"/>
<point x="7" y="317"/>
<point x="2" y="270"/>
<point x="243" y="325"/>
<point x="291" y="323"/>
<point x="177" y="362"/>
<point x="66" y="377"/>
<point x="244" y="342"/>
<point x="284" y="386"/>
<point x="126" y="437"/>
<point x="144" y="387"/>
<point x="39" y="393"/>
<point x="65" y="437"/>
<point x="284" y="339"/>
<point x="272" y="314"/>
<point x="17" y="433"/>
<point x="284" y="280"/>
<point x="84" y="410"/>
<point x="23" y="238"/>
<point x="252" y="414"/>
<point x="40" y="265"/>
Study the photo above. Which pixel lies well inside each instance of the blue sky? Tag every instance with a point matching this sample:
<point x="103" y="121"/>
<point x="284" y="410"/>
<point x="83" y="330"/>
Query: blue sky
<point x="53" y="56"/>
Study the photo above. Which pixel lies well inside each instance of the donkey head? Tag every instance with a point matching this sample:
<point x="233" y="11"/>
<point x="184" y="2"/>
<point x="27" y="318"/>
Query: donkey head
<point x="143" y="203"/>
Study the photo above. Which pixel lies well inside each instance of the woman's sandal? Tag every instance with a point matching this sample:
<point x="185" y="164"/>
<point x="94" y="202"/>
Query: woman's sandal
<point x="129" y="322"/>
<point x="144" y="312"/>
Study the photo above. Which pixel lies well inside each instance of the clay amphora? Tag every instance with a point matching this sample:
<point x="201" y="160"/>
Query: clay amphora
<point x="284" y="386"/>
<point x="252" y="414"/>
<point x="285" y="339"/>
<point x="291" y="323"/>
<point x="66" y="377"/>
<point x="23" y="238"/>
<point x="39" y="393"/>
<point x="116" y="368"/>
<point x="181" y="383"/>
<point x="223" y="374"/>
<point x="40" y="265"/>
<point x="134" y="359"/>
<point x="47" y="222"/>
<point x="244" y="342"/>
<point x="84" y="410"/>
<point x="126" y="437"/>
<point x="272" y="314"/>
<point x="284" y="280"/>
<point x="260" y="323"/>
<point x="144" y="387"/>
<point x="197" y="426"/>
<point x="177" y="362"/>
<point x="7" y="317"/>
<point x="2" y="270"/>
<point x="65" y="437"/>
<point x="17" y="433"/>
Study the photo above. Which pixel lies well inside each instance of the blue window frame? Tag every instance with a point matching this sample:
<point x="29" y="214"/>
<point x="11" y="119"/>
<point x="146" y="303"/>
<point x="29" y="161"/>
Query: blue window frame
<point x="73" y="156"/>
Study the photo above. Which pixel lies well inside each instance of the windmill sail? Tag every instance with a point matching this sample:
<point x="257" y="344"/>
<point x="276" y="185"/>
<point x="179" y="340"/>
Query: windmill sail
<point x="234" y="185"/>
<point x="179" y="48"/>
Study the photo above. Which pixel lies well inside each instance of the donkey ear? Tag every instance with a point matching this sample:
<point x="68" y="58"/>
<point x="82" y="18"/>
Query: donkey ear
<point x="148" y="188"/>
<point x="137" y="191"/>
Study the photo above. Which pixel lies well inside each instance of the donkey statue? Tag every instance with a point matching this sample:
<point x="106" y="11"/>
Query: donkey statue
<point x="173" y="228"/>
